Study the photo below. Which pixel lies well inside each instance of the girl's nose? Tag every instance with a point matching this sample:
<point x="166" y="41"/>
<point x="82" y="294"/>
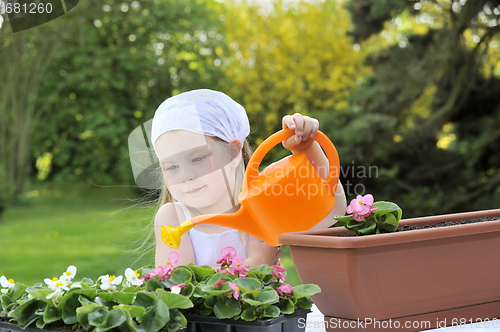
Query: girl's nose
<point x="187" y="174"/>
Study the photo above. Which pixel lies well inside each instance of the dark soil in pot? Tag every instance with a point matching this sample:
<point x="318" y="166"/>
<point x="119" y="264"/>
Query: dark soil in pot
<point x="441" y="224"/>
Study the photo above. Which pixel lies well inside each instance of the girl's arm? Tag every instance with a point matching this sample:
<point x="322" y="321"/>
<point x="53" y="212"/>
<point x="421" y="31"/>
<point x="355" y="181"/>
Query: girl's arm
<point x="320" y="163"/>
<point x="171" y="215"/>
<point x="259" y="253"/>
<point x="301" y="142"/>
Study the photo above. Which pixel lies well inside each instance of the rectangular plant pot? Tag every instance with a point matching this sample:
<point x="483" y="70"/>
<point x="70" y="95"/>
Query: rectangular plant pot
<point x="403" y="274"/>
<point x="282" y="323"/>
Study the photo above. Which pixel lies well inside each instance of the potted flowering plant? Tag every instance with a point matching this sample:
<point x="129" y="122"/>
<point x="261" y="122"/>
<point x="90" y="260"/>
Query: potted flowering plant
<point x="380" y="267"/>
<point x="167" y="298"/>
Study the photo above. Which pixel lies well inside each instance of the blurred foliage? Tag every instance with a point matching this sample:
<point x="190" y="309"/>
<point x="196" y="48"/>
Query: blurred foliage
<point x="295" y="58"/>
<point x="428" y="115"/>
<point x="123" y="61"/>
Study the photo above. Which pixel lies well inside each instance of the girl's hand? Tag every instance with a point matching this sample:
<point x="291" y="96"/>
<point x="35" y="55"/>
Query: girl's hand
<point x="259" y="252"/>
<point x="305" y="128"/>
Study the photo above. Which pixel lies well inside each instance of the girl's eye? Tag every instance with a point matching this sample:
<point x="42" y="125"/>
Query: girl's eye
<point x="199" y="159"/>
<point x="170" y="168"/>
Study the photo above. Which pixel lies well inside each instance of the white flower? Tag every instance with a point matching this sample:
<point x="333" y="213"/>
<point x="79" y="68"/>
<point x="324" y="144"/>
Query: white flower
<point x="6" y="283"/>
<point x="70" y="273"/>
<point x="56" y="284"/>
<point x="133" y="277"/>
<point x="55" y="295"/>
<point x="108" y="283"/>
<point x="4" y="290"/>
<point x="175" y="290"/>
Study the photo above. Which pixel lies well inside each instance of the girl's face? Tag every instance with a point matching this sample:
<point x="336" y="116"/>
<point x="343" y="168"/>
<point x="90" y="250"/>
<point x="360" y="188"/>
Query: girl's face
<point x="192" y="166"/>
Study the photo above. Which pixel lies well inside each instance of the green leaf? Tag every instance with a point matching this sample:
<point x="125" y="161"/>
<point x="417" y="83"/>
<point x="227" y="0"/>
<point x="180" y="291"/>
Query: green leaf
<point x="114" y="318"/>
<point x="382" y="205"/>
<point x="213" y="279"/>
<point x="181" y="275"/>
<point x="390" y="223"/>
<point x="26" y="313"/>
<point x="177" y="320"/>
<point x="266" y="297"/>
<point x="97" y="316"/>
<point x="51" y="314"/>
<point x="230" y="308"/>
<point x="174" y="301"/>
<point x="305" y="291"/>
<point x="304" y="302"/>
<point x="70" y="302"/>
<point x="145" y="300"/>
<point x="17" y="291"/>
<point x="120" y="297"/>
<point x="82" y="314"/>
<point x="41" y="294"/>
<point x="40" y="323"/>
<point x="248" y="314"/>
<point x="271" y="311"/>
<point x="370" y="226"/>
<point x="153" y="284"/>
<point x="247" y="284"/>
<point x="286" y="306"/>
<point x="155" y="318"/>
<point x="201" y="273"/>
<point x="132" y="309"/>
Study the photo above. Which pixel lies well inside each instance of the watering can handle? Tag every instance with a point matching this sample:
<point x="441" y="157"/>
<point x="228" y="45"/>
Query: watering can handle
<point x="333" y="158"/>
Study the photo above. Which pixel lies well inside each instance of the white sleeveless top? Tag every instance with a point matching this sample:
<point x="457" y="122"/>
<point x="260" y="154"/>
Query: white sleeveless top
<point x="207" y="247"/>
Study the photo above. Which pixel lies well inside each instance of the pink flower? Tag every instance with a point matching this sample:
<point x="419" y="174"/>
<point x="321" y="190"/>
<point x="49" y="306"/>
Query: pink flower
<point x="238" y="267"/>
<point x="277" y="272"/>
<point x="219" y="283"/>
<point x="177" y="288"/>
<point x="172" y="259"/>
<point x="361" y="207"/>
<point x="227" y="254"/>
<point x="285" y="290"/>
<point x="236" y="290"/>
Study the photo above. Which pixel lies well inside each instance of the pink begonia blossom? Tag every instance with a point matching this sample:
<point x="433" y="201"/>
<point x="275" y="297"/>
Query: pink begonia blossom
<point x="219" y="283"/>
<point x="285" y="290"/>
<point x="277" y="272"/>
<point x="361" y="207"/>
<point x="236" y="290"/>
<point x="238" y="267"/>
<point x="163" y="271"/>
<point x="172" y="259"/>
<point x="176" y="288"/>
<point x="227" y="254"/>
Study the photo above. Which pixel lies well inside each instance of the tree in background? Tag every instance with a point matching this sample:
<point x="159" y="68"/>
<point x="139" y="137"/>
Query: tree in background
<point x="428" y="116"/>
<point x="292" y="57"/>
<point x="124" y="60"/>
<point x="25" y="58"/>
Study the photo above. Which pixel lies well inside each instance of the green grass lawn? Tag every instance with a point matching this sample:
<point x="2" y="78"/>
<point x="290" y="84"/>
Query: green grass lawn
<point x="96" y="229"/>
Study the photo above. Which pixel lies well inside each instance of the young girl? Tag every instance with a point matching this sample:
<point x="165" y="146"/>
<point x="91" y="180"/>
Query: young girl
<point x="200" y="138"/>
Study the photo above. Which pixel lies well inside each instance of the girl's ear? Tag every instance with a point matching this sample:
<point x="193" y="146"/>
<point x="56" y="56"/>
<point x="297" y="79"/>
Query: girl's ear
<point x="235" y="151"/>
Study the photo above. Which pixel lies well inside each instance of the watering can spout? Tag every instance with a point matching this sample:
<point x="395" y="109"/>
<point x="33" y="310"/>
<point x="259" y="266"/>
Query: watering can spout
<point x="241" y="220"/>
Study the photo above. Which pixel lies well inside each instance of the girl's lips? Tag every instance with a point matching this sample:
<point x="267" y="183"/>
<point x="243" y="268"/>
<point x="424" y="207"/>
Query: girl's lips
<point x="194" y="191"/>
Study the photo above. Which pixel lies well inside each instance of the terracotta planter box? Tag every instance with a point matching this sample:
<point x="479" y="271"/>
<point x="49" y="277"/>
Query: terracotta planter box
<point x="451" y="271"/>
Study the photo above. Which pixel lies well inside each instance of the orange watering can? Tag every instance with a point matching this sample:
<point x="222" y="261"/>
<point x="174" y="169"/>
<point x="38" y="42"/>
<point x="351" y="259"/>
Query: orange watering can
<point x="287" y="196"/>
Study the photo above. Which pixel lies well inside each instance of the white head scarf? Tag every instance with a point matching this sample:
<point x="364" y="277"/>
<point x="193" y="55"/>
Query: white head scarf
<point x="201" y="111"/>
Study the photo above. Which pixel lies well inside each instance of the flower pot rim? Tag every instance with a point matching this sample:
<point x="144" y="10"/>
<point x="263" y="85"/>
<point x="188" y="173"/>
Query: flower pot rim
<point x="329" y="237"/>
<point x="240" y="322"/>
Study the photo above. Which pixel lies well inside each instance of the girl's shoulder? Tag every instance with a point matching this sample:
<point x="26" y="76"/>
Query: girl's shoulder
<point x="170" y="214"/>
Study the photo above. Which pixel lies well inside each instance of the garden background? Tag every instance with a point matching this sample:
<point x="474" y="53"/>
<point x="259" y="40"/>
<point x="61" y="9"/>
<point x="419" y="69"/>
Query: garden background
<point x="408" y="91"/>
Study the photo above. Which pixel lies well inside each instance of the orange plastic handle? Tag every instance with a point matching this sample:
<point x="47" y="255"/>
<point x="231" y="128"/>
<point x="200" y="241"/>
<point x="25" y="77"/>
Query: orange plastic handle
<point x="331" y="152"/>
